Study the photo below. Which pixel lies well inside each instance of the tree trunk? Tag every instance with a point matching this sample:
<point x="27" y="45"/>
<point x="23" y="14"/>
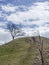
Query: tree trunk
<point x="41" y="51"/>
<point x="13" y="37"/>
<point x="42" y="59"/>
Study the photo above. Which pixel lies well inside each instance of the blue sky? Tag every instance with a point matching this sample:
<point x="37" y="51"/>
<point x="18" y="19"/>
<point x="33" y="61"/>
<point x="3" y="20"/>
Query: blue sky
<point x="29" y="15"/>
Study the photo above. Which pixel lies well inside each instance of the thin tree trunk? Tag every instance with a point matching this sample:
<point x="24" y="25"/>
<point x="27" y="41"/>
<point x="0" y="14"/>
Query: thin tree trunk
<point x="42" y="59"/>
<point x="13" y="37"/>
<point x="41" y="51"/>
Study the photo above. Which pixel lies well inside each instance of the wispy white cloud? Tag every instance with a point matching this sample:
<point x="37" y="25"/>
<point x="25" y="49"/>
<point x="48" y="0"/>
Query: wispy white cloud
<point x="8" y="8"/>
<point x="40" y="12"/>
<point x="2" y="23"/>
<point x="12" y="8"/>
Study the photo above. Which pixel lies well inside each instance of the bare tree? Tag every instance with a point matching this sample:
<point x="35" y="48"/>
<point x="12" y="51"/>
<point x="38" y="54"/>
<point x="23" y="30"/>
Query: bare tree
<point x="13" y="29"/>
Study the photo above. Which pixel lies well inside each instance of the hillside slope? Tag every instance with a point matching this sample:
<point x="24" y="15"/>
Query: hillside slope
<point x="23" y="51"/>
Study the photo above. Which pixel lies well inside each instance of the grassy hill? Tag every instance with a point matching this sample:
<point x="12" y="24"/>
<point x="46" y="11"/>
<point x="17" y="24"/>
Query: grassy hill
<point x="23" y="51"/>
